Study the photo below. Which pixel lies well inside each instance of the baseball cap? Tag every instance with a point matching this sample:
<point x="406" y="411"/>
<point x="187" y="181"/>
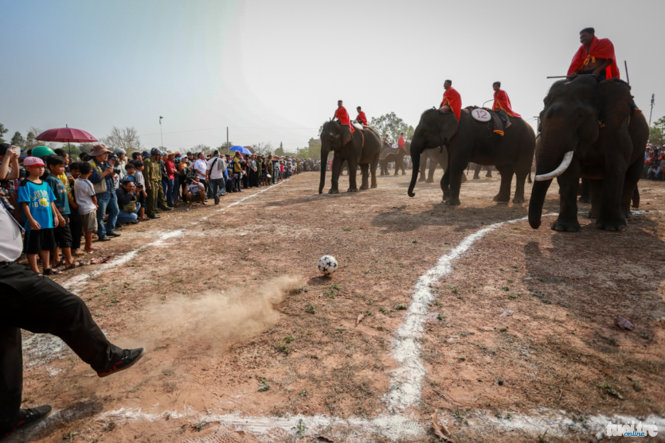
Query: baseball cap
<point x="33" y="161"/>
<point x="42" y="151"/>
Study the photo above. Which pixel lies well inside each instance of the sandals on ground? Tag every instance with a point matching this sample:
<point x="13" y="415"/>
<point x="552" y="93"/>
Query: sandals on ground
<point x="51" y="271"/>
<point x="76" y="264"/>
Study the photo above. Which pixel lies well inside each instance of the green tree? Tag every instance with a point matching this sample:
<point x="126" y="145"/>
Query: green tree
<point x="391" y="125"/>
<point x="2" y="132"/>
<point x="30" y="141"/>
<point x="657" y="132"/>
<point x="18" y="139"/>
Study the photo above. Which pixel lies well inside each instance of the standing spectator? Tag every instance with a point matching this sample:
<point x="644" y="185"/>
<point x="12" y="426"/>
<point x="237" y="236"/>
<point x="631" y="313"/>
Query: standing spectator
<point x="153" y="181"/>
<point x="252" y="170"/>
<point x="201" y="169"/>
<point x="122" y="162"/>
<point x="237" y="172"/>
<point x="74" y="216"/>
<point x="86" y="199"/>
<point x="102" y="180"/>
<point x="38" y="205"/>
<point x="62" y="233"/>
<point x="216" y="171"/>
<point x="171" y="190"/>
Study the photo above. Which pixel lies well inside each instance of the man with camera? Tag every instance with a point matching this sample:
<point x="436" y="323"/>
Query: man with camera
<point x="102" y="179"/>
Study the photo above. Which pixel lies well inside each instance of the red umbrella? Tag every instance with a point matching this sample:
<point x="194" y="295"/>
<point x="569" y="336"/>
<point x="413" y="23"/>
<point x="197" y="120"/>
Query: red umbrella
<point x="66" y="135"/>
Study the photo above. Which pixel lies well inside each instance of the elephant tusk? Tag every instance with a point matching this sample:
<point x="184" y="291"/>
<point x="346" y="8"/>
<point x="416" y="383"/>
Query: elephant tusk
<point x="567" y="158"/>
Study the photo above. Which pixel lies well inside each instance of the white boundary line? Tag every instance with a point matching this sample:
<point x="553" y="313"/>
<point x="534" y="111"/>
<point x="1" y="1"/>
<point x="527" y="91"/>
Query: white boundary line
<point x="406" y="383"/>
<point x="77" y="281"/>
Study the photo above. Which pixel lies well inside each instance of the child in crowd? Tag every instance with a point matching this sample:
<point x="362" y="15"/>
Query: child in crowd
<point x="74" y="216"/>
<point x="86" y="200"/>
<point x="62" y="233"/>
<point x="38" y="207"/>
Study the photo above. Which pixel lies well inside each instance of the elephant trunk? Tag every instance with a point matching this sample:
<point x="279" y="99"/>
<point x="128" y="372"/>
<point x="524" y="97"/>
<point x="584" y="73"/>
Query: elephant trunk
<point x="324" y="166"/>
<point x="415" y="168"/>
<point x="538" y="193"/>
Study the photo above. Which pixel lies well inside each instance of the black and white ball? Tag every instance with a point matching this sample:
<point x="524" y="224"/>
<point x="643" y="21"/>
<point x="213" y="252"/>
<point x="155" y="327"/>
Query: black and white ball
<point x="327" y="264"/>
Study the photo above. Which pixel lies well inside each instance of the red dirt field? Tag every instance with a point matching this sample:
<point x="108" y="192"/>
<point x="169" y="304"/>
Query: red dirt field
<point x="245" y="341"/>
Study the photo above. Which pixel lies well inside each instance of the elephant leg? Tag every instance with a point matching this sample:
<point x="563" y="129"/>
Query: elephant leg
<point x="489" y="172"/>
<point x="353" y="169"/>
<point x="432" y="168"/>
<point x="365" y="173"/>
<point x="630" y="188"/>
<point x="445" y="185"/>
<point x="584" y="191"/>
<point x="611" y="217"/>
<point x="520" y="177"/>
<point x="476" y="173"/>
<point x="455" y="184"/>
<point x="594" y="191"/>
<point x="336" y="169"/>
<point x="568" y="184"/>
<point x="373" y="172"/>
<point x="423" y="169"/>
<point x="504" y="190"/>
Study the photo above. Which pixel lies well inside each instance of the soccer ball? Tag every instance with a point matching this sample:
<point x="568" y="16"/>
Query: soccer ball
<point x="327" y="264"/>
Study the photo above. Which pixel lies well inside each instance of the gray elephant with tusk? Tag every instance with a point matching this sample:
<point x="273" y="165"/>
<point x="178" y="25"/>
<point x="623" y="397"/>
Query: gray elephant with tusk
<point x="589" y="130"/>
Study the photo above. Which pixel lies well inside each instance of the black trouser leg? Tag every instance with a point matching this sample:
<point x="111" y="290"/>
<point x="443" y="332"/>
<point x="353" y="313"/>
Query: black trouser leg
<point x="33" y="302"/>
<point x="11" y="374"/>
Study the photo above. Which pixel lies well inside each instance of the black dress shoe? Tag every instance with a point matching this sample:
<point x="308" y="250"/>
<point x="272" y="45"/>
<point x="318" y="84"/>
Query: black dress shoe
<point x="113" y="234"/>
<point x="128" y="358"/>
<point x="103" y="238"/>
<point x="25" y="418"/>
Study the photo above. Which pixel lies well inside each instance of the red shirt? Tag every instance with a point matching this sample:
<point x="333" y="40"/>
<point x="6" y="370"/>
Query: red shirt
<point x="502" y="102"/>
<point x="343" y="116"/>
<point x="599" y="48"/>
<point x="170" y="169"/>
<point x="401" y="142"/>
<point x="362" y="118"/>
<point x="452" y="98"/>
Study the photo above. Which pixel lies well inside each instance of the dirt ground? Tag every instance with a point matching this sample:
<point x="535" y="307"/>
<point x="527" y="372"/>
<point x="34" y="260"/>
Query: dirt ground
<point x="236" y="319"/>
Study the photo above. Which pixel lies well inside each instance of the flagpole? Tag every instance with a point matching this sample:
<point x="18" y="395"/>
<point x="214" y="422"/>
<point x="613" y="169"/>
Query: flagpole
<point x="653" y="98"/>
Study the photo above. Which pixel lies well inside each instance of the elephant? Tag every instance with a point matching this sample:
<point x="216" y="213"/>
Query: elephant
<point x="432" y="158"/>
<point x="358" y="148"/>
<point x="393" y="155"/>
<point x="476" y="171"/>
<point x="473" y="141"/>
<point x="591" y="130"/>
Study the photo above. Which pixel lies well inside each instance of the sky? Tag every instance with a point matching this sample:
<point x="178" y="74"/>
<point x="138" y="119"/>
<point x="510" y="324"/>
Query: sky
<point x="272" y="71"/>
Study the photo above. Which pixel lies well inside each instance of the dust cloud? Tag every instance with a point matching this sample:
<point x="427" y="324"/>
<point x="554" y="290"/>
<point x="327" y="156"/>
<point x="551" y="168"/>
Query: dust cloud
<point x="215" y="319"/>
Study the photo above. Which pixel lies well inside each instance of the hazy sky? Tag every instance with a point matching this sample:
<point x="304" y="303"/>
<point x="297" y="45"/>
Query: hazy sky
<point x="273" y="70"/>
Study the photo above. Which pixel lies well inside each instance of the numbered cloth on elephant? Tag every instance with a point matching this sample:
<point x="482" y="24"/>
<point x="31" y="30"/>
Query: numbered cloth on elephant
<point x="496" y="119"/>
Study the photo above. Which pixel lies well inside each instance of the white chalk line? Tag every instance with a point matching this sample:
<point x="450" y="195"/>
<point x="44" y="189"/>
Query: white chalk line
<point x="77" y="282"/>
<point x="406" y="384"/>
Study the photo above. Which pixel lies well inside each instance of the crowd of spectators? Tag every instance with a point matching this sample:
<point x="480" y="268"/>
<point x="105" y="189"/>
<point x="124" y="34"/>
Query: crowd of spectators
<point x="62" y="203"/>
<point x="654" y="162"/>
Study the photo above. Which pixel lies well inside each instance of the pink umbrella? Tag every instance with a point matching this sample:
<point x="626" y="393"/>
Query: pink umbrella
<point x="66" y="135"/>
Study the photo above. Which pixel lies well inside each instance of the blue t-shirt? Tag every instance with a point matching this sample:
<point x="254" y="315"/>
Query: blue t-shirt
<point x="39" y="198"/>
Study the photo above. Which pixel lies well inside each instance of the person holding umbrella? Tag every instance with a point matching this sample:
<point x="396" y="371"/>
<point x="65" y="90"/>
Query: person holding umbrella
<point x="102" y="180"/>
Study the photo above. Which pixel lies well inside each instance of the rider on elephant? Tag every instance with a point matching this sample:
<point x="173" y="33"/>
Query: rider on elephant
<point x="452" y="101"/>
<point x="595" y="56"/>
<point x="361" y="118"/>
<point x="502" y="105"/>
<point x="401" y="142"/>
<point x="343" y="116"/>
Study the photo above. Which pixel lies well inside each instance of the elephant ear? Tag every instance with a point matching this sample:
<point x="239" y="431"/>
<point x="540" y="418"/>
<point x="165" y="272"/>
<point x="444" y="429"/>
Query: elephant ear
<point x="448" y="127"/>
